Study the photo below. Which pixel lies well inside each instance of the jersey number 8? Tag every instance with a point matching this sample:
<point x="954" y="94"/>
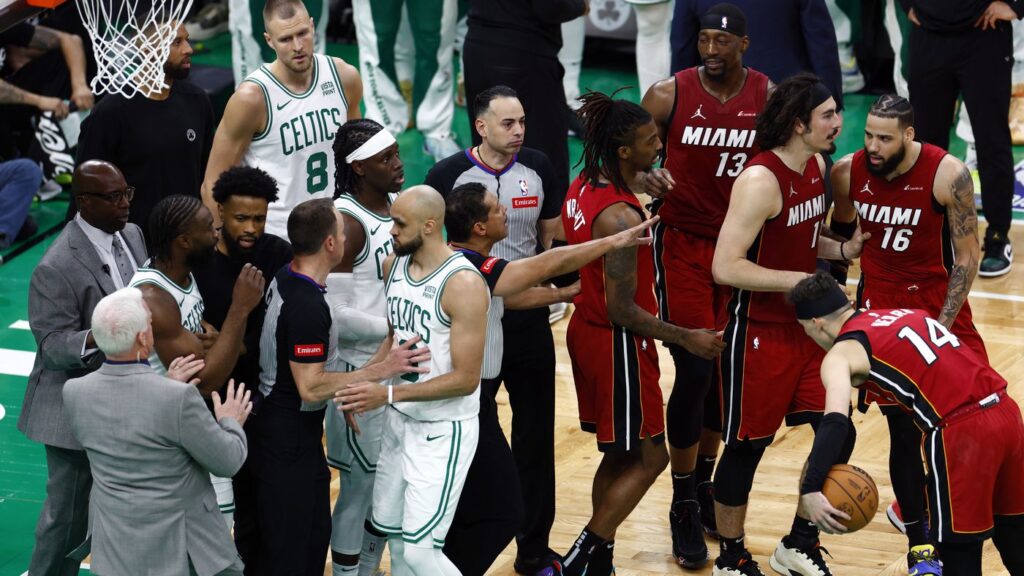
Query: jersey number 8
<point x="316" y="173"/>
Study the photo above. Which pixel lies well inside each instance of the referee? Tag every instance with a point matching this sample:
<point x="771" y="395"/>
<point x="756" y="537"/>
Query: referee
<point x="293" y="482"/>
<point x="527" y="187"/>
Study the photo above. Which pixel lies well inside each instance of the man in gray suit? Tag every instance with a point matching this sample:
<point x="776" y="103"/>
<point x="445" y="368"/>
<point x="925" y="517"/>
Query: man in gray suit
<point x="152" y="445"/>
<point x="96" y="254"/>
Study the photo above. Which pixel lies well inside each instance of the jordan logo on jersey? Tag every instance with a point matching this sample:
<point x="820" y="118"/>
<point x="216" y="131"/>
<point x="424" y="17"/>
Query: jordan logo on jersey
<point x="866" y="189"/>
<point x="792" y="192"/>
<point x="698" y="113"/>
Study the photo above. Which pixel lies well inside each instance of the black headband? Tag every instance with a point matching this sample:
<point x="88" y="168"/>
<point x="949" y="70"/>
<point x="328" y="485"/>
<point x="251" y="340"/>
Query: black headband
<point x="819" y="94"/>
<point x="725" y="17"/>
<point x="829" y="302"/>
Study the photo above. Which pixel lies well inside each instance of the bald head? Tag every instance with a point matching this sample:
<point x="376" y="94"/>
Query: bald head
<point x="418" y="216"/>
<point x="102" y="195"/>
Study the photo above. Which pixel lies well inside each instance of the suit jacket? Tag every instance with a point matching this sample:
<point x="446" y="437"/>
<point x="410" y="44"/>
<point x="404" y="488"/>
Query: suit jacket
<point x="65" y="287"/>
<point x="152" y="445"/>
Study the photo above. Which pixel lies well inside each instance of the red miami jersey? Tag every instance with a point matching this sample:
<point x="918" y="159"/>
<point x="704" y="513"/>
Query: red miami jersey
<point x="584" y="202"/>
<point x="788" y="241"/>
<point x="920" y="363"/>
<point x="707" y="145"/>
<point x="909" y="232"/>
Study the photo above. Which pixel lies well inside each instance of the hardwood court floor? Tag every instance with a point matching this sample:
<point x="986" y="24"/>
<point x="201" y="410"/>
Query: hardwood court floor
<point x="643" y="543"/>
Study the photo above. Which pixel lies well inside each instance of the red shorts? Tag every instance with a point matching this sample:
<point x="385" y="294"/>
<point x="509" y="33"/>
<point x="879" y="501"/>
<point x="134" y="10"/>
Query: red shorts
<point x="770" y="373"/>
<point x="976" y="471"/>
<point x="929" y="297"/>
<point x="686" y="290"/>
<point x="616" y="374"/>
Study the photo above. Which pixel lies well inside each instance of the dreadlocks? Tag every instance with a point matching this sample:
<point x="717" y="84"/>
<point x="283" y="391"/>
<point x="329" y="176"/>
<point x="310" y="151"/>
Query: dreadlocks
<point x="168" y="220"/>
<point x="350" y="136"/>
<point x="608" y="125"/>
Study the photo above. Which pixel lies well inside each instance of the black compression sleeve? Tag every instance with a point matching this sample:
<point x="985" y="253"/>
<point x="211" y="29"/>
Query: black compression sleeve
<point x="843" y="229"/>
<point x="827" y="451"/>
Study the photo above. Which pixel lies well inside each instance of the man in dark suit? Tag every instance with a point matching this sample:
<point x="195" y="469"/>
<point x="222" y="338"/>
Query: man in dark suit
<point x="96" y="254"/>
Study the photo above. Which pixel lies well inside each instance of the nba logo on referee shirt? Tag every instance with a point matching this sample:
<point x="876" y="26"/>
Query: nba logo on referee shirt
<point x="523" y="190"/>
<point x="526" y="201"/>
<point x="725" y="22"/>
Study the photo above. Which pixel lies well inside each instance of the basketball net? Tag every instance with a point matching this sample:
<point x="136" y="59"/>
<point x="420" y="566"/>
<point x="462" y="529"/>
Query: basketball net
<point x="131" y="40"/>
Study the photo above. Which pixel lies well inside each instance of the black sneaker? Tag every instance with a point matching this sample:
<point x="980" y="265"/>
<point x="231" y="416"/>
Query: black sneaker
<point x="743" y="566"/>
<point x="706" y="499"/>
<point x="998" y="256"/>
<point x="601" y="562"/>
<point x="537" y="564"/>
<point x="688" y="546"/>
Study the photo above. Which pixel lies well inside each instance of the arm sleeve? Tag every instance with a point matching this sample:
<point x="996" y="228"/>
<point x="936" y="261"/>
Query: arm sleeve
<point x="685" y="27"/>
<point x="307" y="329"/>
<point x="830" y="442"/>
<point x="353" y="324"/>
<point x="554" y="194"/>
<point x="219" y="447"/>
<point x="490" y="267"/>
<point x="557" y="11"/>
<point x="56" y="321"/>
<point x="820" y="43"/>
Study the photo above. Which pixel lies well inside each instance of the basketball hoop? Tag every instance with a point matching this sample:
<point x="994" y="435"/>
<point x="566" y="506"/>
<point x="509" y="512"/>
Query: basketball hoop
<point x="131" y="40"/>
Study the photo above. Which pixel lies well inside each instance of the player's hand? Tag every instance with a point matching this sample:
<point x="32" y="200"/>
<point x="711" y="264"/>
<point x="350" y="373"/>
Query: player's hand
<point x="183" y="368"/>
<point x="995" y="12"/>
<point x="361" y="397"/>
<point x="83" y="97"/>
<point x="405" y="358"/>
<point x="854" y="246"/>
<point x="816" y="508"/>
<point x="704" y="343"/>
<point x="912" y="16"/>
<point x="208" y="336"/>
<point x="570" y="292"/>
<point x="350" y="419"/>
<point x="58" y="107"/>
<point x="656" y="183"/>
<point x="236" y="403"/>
<point x="636" y="236"/>
<point x="248" y="291"/>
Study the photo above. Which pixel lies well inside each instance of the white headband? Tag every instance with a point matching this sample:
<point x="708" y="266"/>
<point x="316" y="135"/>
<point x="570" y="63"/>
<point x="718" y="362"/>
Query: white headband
<point x="377" y="143"/>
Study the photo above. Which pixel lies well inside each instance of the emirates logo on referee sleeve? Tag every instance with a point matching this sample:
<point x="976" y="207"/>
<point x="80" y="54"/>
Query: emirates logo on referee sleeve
<point x="305" y="350"/>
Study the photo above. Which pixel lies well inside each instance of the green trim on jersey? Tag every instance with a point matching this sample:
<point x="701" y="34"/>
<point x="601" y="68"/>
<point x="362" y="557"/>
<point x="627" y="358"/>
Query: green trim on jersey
<point x="447" y="321"/>
<point x="270" y="109"/>
<point x="337" y="81"/>
<point x="312" y="85"/>
<point x="428" y="276"/>
<point x="446" y="489"/>
<point x="361" y="458"/>
<point x="366" y="243"/>
<point x="164" y="276"/>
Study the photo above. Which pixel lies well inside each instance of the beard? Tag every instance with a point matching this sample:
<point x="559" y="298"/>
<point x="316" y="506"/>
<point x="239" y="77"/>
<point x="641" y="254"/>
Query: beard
<point x="176" y="72"/>
<point x="409" y="247"/>
<point x="887" y="166"/>
<point x="200" y="258"/>
<point x="235" y="250"/>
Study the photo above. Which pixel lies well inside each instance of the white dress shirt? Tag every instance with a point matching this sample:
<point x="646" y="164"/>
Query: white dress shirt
<point x="103" y="243"/>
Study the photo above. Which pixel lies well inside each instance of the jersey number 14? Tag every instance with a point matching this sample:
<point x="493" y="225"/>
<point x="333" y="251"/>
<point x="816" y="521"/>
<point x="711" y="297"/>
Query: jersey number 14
<point x="938" y="334"/>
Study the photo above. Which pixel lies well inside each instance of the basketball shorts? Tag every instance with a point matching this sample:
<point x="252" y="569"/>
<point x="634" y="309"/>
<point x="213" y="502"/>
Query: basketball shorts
<point x="420" y="475"/>
<point x="224" y="488"/>
<point x="686" y="290"/>
<point x="929" y="297"/>
<point x="975" y="471"/>
<point x="616" y="374"/>
<point x="770" y="374"/>
<point x="345" y="448"/>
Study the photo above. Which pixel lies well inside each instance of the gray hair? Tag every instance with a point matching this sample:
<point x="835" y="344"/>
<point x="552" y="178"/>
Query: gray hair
<point x="117" y="321"/>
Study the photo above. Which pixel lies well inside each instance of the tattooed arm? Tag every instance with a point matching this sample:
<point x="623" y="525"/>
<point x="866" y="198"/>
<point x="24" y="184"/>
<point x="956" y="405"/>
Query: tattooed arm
<point x="11" y="94"/>
<point x="74" y="57"/>
<point x="620" y="289"/>
<point x="954" y="189"/>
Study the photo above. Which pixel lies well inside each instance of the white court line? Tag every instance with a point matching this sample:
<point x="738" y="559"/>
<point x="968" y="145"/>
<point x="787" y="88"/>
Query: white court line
<point x="973" y="294"/>
<point x="84" y="566"/>
<point x="16" y="362"/>
<point x="20" y="325"/>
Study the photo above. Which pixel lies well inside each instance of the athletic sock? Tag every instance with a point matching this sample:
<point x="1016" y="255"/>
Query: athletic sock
<point x="343" y="570"/>
<point x="731" y="549"/>
<point x="575" y="561"/>
<point x="684" y="487"/>
<point x="372" y="551"/>
<point x="804" y="534"/>
<point x="916" y="533"/>
<point x="601" y="560"/>
<point x="705" y="468"/>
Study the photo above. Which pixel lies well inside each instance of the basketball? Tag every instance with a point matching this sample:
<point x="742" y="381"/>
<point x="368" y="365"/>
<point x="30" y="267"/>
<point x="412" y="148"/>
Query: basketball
<point x="851" y="490"/>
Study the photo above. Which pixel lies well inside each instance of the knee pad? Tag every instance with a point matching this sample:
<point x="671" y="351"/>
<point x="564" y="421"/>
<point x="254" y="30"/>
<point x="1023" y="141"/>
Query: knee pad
<point x="735" y="474"/>
<point x="685" y="411"/>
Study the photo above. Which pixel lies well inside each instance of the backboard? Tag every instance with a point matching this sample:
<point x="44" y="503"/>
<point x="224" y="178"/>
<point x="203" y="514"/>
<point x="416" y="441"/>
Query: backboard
<point x="14" y="11"/>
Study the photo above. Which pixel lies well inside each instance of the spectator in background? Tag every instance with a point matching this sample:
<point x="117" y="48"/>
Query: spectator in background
<point x="19" y="180"/>
<point x="653" y="50"/>
<point x="242" y="194"/>
<point x="965" y="47"/>
<point x="95" y="254"/>
<point x="791" y="36"/>
<point x="161" y="142"/>
<point x="516" y="43"/>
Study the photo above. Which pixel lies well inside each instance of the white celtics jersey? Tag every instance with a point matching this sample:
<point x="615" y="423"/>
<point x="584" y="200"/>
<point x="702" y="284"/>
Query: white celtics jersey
<point x="189" y="300"/>
<point x="414" y="309"/>
<point x="296" y="145"/>
<point x="367" y="275"/>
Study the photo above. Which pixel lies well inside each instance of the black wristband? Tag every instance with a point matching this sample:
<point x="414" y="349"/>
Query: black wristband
<point x="843" y="229"/>
<point x="829" y="441"/>
<point x="841" y="255"/>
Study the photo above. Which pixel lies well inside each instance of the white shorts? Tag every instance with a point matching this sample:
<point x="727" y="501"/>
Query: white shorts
<point x="420" y="475"/>
<point x="225" y="490"/>
<point x="345" y="448"/>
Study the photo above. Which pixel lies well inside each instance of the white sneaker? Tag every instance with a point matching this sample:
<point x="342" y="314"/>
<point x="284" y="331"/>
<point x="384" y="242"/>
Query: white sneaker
<point x="210" y="21"/>
<point x="557" y="312"/>
<point x="441" y="147"/>
<point x="797" y="562"/>
<point x="48" y="190"/>
<point x="971" y="157"/>
<point x="853" y="80"/>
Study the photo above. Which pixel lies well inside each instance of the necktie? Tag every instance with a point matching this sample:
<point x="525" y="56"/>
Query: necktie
<point x="124" y="265"/>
